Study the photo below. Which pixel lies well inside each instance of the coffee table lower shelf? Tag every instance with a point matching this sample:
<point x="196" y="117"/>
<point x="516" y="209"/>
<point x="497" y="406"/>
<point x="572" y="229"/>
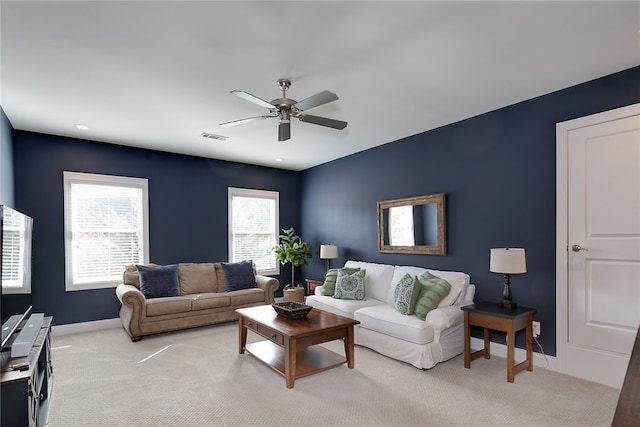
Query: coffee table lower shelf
<point x="309" y="360"/>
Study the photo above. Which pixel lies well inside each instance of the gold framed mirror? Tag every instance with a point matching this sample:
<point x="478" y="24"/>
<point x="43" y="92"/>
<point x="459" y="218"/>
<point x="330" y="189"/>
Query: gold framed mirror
<point x="413" y="225"/>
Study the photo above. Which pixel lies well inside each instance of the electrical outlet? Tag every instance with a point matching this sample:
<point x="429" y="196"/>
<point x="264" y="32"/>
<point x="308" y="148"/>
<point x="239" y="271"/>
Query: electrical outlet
<point x="536" y="329"/>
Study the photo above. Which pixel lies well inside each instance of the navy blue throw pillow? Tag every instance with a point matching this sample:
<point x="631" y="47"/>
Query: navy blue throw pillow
<point x="156" y="282"/>
<point x="239" y="275"/>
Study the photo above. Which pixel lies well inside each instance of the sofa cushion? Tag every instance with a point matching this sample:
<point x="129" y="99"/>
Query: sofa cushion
<point x="197" y="278"/>
<point x="222" y="282"/>
<point x="329" y="284"/>
<point x="156" y="282"/>
<point x="459" y="282"/>
<point x="131" y="277"/>
<point x="342" y="307"/>
<point x="433" y="291"/>
<point x="406" y="294"/>
<point x="247" y="296"/>
<point x="384" y="318"/>
<point x="170" y="305"/>
<point x="350" y="285"/>
<point x="239" y="275"/>
<point x="210" y="300"/>
<point x="377" y="281"/>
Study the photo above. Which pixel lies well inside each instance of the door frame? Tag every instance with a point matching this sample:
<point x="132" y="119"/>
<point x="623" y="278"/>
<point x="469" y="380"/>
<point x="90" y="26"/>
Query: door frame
<point x="562" y="219"/>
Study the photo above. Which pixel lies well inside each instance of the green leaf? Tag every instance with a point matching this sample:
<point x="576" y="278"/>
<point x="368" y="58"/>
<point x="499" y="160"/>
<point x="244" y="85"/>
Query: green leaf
<point x="292" y="249"/>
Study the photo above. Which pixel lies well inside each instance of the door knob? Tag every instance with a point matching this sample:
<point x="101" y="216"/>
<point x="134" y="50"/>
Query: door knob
<point x="578" y="248"/>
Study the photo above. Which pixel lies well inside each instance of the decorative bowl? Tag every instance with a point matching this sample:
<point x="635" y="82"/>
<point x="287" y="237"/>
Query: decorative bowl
<point x="292" y="309"/>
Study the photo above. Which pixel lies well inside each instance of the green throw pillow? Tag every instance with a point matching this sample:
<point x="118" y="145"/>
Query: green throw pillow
<point x="433" y="291"/>
<point x="329" y="285"/>
<point x="406" y="294"/>
<point x="350" y="285"/>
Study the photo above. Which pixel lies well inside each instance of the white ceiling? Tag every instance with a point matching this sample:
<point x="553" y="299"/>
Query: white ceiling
<point x="156" y="74"/>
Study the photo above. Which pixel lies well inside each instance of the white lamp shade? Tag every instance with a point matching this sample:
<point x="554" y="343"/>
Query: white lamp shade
<point x="508" y="261"/>
<point x="328" y="251"/>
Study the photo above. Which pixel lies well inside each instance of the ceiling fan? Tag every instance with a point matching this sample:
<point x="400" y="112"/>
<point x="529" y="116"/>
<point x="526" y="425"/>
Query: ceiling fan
<point x="285" y="108"/>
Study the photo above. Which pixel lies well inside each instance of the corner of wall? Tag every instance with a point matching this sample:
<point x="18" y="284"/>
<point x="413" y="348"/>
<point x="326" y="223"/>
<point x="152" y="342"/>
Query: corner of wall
<point x="6" y="161"/>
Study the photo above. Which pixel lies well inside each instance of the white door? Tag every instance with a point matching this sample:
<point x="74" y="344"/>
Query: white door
<point x="601" y="288"/>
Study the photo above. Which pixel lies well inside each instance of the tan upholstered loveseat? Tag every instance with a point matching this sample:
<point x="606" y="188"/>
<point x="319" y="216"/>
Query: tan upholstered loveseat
<point x="203" y="300"/>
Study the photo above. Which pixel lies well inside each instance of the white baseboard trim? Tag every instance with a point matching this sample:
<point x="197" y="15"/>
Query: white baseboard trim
<point x="500" y="350"/>
<point x="76" y="328"/>
<point x="497" y="349"/>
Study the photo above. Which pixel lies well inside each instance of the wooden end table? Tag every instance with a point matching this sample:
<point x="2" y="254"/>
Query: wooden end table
<point x="312" y="284"/>
<point x="492" y="315"/>
<point x="290" y="347"/>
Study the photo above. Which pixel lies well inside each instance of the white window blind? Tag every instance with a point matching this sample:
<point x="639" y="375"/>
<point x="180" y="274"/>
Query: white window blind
<point x="106" y="228"/>
<point x="253" y="228"/>
<point x="401" y="226"/>
<point x="16" y="248"/>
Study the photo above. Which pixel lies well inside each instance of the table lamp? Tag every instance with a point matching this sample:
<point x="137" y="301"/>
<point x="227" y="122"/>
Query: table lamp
<point x="508" y="261"/>
<point x="328" y="252"/>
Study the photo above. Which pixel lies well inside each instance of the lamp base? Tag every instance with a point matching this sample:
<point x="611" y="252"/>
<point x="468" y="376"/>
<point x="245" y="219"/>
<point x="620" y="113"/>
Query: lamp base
<point x="510" y="306"/>
<point x="506" y="294"/>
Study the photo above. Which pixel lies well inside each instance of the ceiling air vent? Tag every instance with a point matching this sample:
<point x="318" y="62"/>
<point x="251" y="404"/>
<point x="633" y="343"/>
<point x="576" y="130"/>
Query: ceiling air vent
<point x="214" y="136"/>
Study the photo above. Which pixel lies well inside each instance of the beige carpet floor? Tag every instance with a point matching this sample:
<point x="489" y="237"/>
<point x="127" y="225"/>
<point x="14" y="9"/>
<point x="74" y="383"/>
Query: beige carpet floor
<point x="197" y="378"/>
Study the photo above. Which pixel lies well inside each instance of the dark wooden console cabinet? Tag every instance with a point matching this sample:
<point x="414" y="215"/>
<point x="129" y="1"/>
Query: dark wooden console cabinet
<point x="25" y="394"/>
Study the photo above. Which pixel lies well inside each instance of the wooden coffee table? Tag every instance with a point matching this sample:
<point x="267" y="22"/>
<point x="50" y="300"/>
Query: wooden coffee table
<point x="290" y="348"/>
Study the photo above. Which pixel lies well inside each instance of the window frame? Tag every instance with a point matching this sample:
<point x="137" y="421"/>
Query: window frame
<point x="70" y="178"/>
<point x="259" y="194"/>
<point x="23" y="284"/>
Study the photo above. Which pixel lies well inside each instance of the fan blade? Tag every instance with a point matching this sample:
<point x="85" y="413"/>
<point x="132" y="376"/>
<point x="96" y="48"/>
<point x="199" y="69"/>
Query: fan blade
<point x="243" y="121"/>
<point x="252" y="98"/>
<point x="322" y="121"/>
<point x="284" y="130"/>
<point x="316" y="100"/>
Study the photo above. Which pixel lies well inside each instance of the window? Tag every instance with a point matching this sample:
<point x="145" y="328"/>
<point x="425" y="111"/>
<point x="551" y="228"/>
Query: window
<point x="16" y="251"/>
<point x="401" y="226"/>
<point x="106" y="227"/>
<point x="253" y="228"/>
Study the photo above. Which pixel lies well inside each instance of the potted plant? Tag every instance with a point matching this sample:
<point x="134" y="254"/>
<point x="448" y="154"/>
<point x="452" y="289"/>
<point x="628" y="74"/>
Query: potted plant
<point x="292" y="249"/>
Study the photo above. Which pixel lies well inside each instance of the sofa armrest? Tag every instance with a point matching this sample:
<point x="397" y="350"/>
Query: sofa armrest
<point x="131" y="296"/>
<point x="470" y="295"/>
<point x="269" y="285"/>
<point x="446" y="317"/>
<point x="133" y="310"/>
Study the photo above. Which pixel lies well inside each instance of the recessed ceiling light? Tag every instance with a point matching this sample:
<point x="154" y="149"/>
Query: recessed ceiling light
<point x="81" y="127"/>
<point x="279" y="159"/>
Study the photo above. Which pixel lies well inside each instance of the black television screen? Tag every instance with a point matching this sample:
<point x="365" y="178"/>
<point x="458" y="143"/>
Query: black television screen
<point x="15" y="269"/>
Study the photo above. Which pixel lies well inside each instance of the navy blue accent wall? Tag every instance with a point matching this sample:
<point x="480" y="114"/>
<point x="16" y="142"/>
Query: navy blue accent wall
<point x="498" y="171"/>
<point x="187" y="204"/>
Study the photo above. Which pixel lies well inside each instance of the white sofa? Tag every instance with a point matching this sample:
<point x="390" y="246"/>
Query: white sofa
<point x="422" y="343"/>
